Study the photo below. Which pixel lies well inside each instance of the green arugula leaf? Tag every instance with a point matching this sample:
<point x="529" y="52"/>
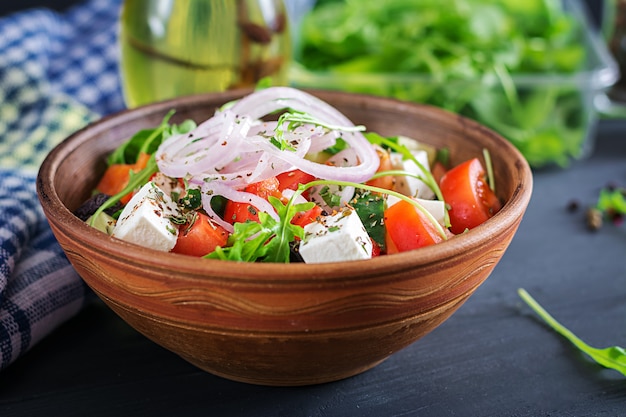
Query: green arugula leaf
<point x="612" y="201"/>
<point x="267" y="240"/>
<point x="144" y="140"/>
<point x="284" y="232"/>
<point x="292" y="119"/>
<point x="613" y="357"/>
<point x="148" y="140"/>
<point x="248" y="241"/>
<point x="137" y="180"/>
<point x="443" y="157"/>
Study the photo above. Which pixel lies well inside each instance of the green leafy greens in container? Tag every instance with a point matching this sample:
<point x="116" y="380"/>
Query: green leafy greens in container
<point x="479" y="58"/>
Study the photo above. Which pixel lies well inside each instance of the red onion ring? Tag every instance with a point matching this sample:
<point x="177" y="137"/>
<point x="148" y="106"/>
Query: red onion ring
<point x="234" y="148"/>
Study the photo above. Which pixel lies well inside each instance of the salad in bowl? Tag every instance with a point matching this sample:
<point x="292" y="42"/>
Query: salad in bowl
<point x="280" y="175"/>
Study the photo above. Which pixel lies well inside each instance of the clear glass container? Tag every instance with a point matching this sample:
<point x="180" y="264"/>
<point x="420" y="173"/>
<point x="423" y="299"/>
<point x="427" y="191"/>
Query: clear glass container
<point x="551" y="117"/>
<point x="171" y="48"/>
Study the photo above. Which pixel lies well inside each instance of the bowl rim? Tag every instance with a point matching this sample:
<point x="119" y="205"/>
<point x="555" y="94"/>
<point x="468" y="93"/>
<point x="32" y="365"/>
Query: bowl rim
<point x="346" y="273"/>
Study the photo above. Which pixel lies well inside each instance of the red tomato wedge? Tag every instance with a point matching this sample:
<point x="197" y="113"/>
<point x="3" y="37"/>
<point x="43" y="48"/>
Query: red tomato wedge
<point x="201" y="237"/>
<point x="241" y="212"/>
<point x="375" y="249"/>
<point x="466" y="192"/>
<point x="407" y="228"/>
<point x="305" y="217"/>
<point x="290" y="180"/>
<point x="116" y="177"/>
<point x="438" y="170"/>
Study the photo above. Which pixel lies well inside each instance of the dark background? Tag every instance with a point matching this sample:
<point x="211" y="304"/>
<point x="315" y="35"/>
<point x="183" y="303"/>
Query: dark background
<point x="12" y="6"/>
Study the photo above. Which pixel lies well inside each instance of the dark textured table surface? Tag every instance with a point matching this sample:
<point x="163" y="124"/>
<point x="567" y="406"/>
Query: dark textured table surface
<point x="493" y="357"/>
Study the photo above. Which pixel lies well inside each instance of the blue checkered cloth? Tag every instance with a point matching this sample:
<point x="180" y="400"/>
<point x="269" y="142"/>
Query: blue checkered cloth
<point x="58" y="72"/>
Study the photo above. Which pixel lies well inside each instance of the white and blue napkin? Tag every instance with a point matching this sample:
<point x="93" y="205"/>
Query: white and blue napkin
<point x="58" y="72"/>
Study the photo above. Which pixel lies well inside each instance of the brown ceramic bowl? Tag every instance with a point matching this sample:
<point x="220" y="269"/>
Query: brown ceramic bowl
<point x="283" y="324"/>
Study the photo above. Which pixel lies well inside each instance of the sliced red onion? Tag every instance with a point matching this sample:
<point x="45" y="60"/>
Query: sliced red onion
<point x="288" y="193"/>
<point x="322" y="141"/>
<point x="235" y="148"/>
<point x="207" y="154"/>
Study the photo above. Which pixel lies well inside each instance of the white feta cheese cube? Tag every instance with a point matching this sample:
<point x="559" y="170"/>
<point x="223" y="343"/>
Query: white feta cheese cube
<point x="339" y="237"/>
<point x="413" y="144"/>
<point x="409" y="185"/>
<point x="170" y="186"/>
<point x="333" y="197"/>
<point x="145" y="220"/>
<point x="435" y="207"/>
<point x="409" y="143"/>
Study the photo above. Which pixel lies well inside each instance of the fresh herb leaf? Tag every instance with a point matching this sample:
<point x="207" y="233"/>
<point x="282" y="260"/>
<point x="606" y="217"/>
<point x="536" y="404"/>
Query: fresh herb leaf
<point x="137" y="179"/>
<point x="192" y="199"/>
<point x="491" y="179"/>
<point x="370" y="207"/>
<point x="281" y="143"/>
<point x="103" y="222"/>
<point x="248" y="242"/>
<point x="295" y="118"/>
<point x="263" y="83"/>
<point x="291" y="119"/>
<point x="443" y="156"/>
<point x="267" y="240"/>
<point x="144" y="140"/>
<point x="148" y="140"/>
<point x="613" y="357"/>
<point x="612" y="201"/>
<point x="330" y="195"/>
<point x="284" y="232"/>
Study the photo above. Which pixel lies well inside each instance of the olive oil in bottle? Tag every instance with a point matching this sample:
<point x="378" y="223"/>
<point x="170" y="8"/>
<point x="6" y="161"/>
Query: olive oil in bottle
<point x="172" y="48"/>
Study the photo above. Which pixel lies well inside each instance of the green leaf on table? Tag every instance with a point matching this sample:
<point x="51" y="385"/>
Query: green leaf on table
<point x="612" y="201"/>
<point x="613" y="357"/>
